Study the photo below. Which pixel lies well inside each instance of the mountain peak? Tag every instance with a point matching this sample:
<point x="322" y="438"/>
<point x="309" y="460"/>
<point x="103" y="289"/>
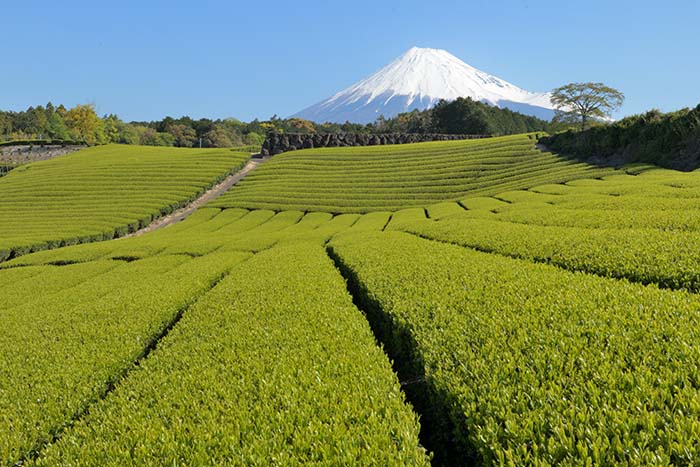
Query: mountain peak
<point x="418" y="79"/>
<point x="423" y="51"/>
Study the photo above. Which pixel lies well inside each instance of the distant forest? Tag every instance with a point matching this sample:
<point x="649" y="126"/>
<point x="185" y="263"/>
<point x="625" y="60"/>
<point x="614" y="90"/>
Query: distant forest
<point x="82" y="123"/>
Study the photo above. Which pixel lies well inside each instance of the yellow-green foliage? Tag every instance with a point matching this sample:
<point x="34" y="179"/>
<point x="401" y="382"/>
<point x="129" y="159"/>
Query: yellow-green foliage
<point x="62" y="349"/>
<point x="389" y="178"/>
<point x="274" y="367"/>
<point x="102" y="192"/>
<point x="532" y="365"/>
<point x="92" y="317"/>
<point x="508" y="362"/>
<point x="669" y="259"/>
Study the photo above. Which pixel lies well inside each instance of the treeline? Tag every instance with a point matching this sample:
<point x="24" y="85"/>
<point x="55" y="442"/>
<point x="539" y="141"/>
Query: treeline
<point x="463" y="116"/>
<point x="187" y="132"/>
<point x="51" y="123"/>
<point x="666" y="139"/>
<point x="81" y="123"/>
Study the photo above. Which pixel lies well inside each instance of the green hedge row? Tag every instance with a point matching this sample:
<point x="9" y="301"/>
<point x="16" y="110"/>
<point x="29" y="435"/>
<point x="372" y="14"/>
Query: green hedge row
<point x="514" y="363"/>
<point x="279" y="370"/>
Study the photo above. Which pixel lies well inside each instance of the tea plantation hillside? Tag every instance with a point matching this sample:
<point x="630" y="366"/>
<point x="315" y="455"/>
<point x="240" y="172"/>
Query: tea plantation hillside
<point x="539" y="321"/>
<point x="387" y="178"/>
<point x="102" y="192"/>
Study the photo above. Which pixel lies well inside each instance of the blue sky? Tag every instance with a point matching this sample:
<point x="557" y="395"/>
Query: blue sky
<point x="144" y="60"/>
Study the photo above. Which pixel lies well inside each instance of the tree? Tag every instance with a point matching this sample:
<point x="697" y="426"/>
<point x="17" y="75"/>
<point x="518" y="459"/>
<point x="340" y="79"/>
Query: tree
<point x="185" y="136"/>
<point x="128" y="134"/>
<point x="268" y="127"/>
<point x="216" y="138"/>
<point x="5" y="126"/>
<point x="461" y="116"/>
<point x="151" y="137"/>
<point x="302" y="126"/>
<point x="56" y="127"/>
<point x="40" y="121"/>
<point x="85" y="125"/>
<point x="415" y="121"/>
<point x="254" y="139"/>
<point x="586" y="101"/>
<point x="111" y="128"/>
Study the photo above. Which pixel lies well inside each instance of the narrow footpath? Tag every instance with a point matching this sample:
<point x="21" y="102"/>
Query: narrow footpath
<point x="211" y="194"/>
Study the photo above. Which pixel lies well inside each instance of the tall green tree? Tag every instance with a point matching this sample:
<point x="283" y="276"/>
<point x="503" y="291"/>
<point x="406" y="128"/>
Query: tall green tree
<point x="111" y="128"/>
<point x="586" y="101"/>
<point x="216" y="138"/>
<point x="254" y="139"/>
<point x="185" y="136"/>
<point x="56" y="127"/>
<point x="461" y="116"/>
<point x="5" y="125"/>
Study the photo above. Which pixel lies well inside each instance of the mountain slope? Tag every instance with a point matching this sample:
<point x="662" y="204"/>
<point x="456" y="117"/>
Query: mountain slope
<point x="418" y="79"/>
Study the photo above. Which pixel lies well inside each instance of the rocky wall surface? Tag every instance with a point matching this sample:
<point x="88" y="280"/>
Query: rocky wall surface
<point x="16" y="155"/>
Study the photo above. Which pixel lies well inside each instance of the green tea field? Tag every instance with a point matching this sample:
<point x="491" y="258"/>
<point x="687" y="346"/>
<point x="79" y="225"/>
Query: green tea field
<point x="451" y="303"/>
<point x="102" y="192"/>
<point x="366" y="179"/>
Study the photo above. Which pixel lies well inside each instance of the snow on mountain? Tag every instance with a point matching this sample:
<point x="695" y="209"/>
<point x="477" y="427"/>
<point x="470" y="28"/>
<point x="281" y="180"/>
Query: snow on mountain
<point x="418" y="79"/>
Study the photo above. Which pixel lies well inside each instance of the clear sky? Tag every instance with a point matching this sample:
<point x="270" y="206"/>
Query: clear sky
<point x="146" y="59"/>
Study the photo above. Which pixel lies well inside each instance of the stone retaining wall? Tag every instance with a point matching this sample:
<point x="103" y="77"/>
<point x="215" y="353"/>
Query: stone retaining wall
<point x="16" y="155"/>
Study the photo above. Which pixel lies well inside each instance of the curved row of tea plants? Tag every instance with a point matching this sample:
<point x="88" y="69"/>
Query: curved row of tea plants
<point x="526" y="364"/>
<point x="546" y="213"/>
<point x="213" y="230"/>
<point x="275" y="366"/>
<point x="386" y="178"/>
<point x="659" y="198"/>
<point x="67" y="339"/>
<point x="102" y="192"/>
<point x="666" y="258"/>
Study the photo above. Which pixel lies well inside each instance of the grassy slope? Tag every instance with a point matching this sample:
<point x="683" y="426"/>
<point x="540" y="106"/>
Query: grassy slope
<point x="388" y="178"/>
<point x="102" y="192"/>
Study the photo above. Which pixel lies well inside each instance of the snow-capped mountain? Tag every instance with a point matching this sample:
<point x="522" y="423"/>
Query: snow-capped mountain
<point x="418" y="79"/>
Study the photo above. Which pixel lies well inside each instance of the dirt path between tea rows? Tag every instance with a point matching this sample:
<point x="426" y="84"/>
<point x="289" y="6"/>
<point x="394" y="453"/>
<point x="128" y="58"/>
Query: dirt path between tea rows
<point x="211" y="194"/>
